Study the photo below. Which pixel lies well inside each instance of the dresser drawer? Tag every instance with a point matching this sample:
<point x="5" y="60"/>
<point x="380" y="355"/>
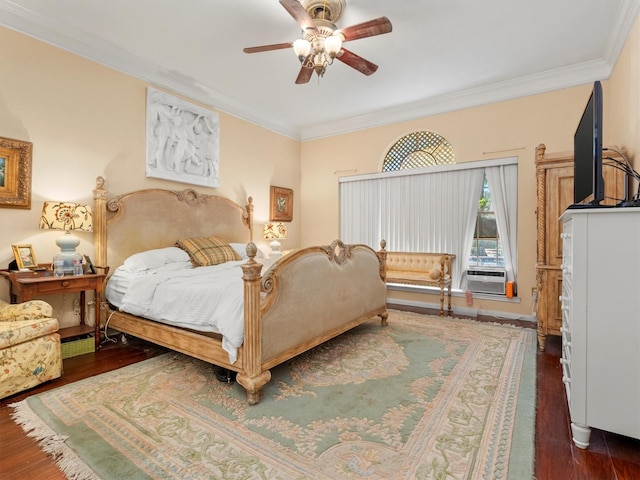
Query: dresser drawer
<point x="566" y="353"/>
<point x="27" y="286"/>
<point x="63" y="284"/>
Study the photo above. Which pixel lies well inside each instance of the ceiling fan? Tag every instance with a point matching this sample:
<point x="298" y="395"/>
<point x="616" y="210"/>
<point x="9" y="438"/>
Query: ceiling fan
<point x="322" y="41"/>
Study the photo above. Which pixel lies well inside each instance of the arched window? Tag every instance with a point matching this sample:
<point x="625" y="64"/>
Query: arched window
<point x="428" y="149"/>
<point x="467" y="209"/>
<point x="419" y="150"/>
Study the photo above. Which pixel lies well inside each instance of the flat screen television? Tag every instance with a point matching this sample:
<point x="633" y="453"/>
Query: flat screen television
<point x="588" y="182"/>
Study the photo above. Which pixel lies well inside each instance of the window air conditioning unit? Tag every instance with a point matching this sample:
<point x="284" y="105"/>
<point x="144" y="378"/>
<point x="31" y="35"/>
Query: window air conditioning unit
<point x="486" y="281"/>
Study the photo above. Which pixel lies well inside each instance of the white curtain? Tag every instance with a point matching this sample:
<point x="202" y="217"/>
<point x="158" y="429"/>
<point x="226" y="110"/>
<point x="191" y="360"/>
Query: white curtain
<point x="503" y="185"/>
<point x="474" y="187"/>
<point x="430" y="210"/>
<point x="360" y="213"/>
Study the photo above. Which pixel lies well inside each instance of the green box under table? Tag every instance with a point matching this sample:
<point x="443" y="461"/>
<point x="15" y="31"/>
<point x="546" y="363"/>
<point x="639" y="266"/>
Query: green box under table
<point x="73" y="348"/>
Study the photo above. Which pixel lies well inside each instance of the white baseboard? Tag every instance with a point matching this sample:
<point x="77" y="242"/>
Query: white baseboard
<point x="462" y="311"/>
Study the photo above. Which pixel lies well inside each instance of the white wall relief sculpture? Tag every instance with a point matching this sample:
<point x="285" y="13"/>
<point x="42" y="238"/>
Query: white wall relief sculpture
<point x="183" y="140"/>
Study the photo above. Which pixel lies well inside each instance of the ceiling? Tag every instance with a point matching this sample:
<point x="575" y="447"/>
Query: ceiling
<point x="442" y="55"/>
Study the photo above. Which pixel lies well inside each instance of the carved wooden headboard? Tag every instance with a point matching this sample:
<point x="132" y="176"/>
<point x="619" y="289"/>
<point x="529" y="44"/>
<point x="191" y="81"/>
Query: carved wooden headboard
<point x="156" y="218"/>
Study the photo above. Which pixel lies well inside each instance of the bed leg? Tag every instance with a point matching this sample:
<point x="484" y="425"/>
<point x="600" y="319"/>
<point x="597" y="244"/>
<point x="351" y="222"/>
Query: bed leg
<point x="253" y="385"/>
<point x="383" y="318"/>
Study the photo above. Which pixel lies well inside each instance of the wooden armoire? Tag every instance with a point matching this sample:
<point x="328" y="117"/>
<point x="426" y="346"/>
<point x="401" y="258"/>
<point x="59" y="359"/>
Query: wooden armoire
<point x="554" y="174"/>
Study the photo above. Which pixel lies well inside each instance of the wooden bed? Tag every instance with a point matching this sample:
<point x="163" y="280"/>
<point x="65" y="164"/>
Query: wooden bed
<point x="308" y="296"/>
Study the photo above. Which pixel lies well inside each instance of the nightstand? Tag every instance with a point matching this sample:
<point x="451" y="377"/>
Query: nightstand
<point x="27" y="285"/>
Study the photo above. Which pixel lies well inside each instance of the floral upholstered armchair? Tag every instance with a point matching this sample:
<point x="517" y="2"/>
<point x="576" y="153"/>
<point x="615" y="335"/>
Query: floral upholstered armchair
<point x="30" y="350"/>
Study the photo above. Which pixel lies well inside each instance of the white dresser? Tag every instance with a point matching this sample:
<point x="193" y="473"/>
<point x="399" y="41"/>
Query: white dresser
<point x="601" y="320"/>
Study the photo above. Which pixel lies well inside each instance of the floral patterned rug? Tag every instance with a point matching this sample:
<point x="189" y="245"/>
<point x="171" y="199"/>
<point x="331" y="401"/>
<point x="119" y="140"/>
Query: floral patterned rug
<point x="424" y="397"/>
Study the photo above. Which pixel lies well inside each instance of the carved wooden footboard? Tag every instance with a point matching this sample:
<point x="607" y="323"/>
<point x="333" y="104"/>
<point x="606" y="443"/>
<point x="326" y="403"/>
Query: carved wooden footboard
<point x="310" y="295"/>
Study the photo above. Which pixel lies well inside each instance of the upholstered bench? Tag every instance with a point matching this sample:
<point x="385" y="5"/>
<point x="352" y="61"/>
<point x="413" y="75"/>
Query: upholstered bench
<point x="424" y="269"/>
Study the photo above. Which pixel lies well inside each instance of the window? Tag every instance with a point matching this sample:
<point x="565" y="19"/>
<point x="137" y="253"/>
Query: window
<point x="423" y="201"/>
<point x="486" y="249"/>
<point x="418" y="150"/>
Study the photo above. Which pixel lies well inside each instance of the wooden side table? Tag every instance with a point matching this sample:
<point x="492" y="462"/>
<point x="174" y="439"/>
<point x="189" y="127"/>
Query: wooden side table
<point x="27" y="285"/>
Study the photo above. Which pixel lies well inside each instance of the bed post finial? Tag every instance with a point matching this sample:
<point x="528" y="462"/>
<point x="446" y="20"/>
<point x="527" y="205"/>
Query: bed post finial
<point x="100" y="223"/>
<point x="252" y="378"/>
<point x="249" y="217"/>
<point x="382" y="258"/>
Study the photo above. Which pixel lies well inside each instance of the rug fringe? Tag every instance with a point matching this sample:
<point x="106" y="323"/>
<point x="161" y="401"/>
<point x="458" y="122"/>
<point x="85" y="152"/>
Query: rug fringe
<point x="51" y="443"/>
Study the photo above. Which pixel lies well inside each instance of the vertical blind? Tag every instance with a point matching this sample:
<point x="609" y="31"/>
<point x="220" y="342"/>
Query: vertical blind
<point x="430" y="210"/>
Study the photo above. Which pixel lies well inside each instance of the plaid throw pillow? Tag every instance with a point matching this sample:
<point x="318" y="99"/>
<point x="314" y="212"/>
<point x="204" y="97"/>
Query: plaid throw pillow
<point x="208" y="251"/>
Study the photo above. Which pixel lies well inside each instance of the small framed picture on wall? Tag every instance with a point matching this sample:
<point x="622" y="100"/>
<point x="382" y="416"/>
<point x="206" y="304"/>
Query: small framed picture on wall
<point x="15" y="173"/>
<point x="281" y="204"/>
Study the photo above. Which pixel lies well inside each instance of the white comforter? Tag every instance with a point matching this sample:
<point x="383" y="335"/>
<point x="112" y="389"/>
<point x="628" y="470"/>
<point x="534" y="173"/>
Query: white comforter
<point x="208" y="299"/>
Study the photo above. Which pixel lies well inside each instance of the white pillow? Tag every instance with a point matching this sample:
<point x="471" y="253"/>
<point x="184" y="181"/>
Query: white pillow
<point x="241" y="249"/>
<point x="154" y="259"/>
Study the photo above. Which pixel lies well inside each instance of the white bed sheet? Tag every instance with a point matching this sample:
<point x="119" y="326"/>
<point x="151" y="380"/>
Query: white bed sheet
<point x="123" y="276"/>
<point x="206" y="299"/>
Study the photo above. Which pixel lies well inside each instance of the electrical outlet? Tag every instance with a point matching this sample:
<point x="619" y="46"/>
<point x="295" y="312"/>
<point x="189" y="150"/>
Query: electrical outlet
<point x="76" y="307"/>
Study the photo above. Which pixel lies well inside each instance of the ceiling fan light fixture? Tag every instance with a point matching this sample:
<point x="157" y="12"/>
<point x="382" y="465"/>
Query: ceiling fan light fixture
<point x="321" y="42"/>
<point x="302" y="48"/>
<point x="320" y="62"/>
<point x="332" y="45"/>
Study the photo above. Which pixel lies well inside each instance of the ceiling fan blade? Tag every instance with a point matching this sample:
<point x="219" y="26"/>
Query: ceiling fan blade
<point x="366" y="29"/>
<point x="304" y="75"/>
<point x="299" y="14"/>
<point x="357" y="62"/>
<point x="266" y="48"/>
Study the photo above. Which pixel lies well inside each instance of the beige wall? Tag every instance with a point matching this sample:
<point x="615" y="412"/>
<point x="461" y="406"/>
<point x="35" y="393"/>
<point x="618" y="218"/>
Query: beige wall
<point x="622" y="101"/>
<point x="510" y="128"/>
<point x="86" y="120"/>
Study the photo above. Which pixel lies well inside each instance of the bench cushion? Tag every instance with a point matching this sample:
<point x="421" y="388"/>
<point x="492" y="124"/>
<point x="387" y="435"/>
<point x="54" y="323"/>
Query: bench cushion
<point x="423" y="269"/>
<point x="417" y="278"/>
<point x="418" y="267"/>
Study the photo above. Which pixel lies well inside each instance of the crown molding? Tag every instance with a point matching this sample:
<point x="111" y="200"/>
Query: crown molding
<point x="90" y="47"/>
<point x="537" y="83"/>
<point x="626" y="17"/>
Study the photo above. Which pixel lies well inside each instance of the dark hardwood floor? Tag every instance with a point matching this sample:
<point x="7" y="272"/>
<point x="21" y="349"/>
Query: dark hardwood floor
<point x="609" y="457"/>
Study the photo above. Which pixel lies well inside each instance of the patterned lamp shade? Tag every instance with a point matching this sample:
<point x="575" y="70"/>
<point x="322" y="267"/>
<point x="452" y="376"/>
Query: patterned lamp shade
<point x="274" y="231"/>
<point x="66" y="216"/>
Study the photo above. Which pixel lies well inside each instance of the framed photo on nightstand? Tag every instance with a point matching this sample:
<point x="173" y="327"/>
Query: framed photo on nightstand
<point x="25" y="257"/>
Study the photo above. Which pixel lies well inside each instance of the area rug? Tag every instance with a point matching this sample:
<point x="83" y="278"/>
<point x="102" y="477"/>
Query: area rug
<point x="424" y="397"/>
